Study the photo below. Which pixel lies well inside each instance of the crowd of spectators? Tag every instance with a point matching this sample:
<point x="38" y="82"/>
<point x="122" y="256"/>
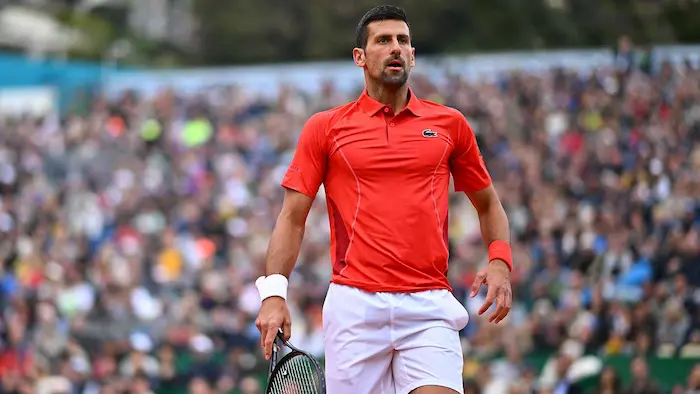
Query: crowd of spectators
<point x="131" y="234"/>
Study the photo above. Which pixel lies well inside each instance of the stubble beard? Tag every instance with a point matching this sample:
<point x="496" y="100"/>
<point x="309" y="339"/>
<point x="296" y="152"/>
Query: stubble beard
<point x="394" y="80"/>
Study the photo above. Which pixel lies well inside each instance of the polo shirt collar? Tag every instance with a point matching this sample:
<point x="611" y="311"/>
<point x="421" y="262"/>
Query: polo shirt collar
<point x="371" y="106"/>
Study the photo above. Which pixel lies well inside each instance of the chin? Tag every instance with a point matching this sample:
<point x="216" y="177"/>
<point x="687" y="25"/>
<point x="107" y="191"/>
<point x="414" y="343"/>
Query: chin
<point x="395" y="80"/>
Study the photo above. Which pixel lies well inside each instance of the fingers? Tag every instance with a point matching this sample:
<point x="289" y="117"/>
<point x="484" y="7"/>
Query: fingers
<point x="499" y="291"/>
<point x="490" y="298"/>
<point x="271" y="321"/>
<point x="269" y="340"/>
<point x="263" y="331"/>
<point x="268" y="332"/>
<point x="504" y="300"/>
<point x="287" y="328"/>
<point x="496" y="315"/>
<point x="478" y="282"/>
<point x="501" y="310"/>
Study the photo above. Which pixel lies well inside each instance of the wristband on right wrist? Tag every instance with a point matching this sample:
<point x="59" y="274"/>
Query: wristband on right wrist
<point x="274" y="285"/>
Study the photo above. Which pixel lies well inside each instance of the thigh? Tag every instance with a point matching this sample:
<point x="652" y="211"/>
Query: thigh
<point x="428" y="348"/>
<point x="430" y="357"/>
<point x="357" y="342"/>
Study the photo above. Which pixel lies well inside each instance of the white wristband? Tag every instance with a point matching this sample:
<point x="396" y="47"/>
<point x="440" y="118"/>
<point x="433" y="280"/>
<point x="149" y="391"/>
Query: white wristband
<point x="274" y="285"/>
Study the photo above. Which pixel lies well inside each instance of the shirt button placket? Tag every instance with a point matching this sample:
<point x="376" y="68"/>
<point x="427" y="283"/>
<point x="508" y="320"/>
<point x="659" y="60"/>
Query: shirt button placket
<point x="388" y="123"/>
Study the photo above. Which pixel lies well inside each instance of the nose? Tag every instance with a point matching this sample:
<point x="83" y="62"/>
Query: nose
<point x="395" y="47"/>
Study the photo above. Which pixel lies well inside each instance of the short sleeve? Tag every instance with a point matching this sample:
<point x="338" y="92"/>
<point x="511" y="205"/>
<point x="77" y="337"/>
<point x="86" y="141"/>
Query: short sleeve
<point x="466" y="163"/>
<point x="308" y="167"/>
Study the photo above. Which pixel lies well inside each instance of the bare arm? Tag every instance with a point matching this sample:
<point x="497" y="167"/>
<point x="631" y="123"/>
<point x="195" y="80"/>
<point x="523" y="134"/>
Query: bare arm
<point x="492" y="217"/>
<point x="286" y="238"/>
<point x="282" y="254"/>
<point x="494" y="226"/>
<point x="304" y="176"/>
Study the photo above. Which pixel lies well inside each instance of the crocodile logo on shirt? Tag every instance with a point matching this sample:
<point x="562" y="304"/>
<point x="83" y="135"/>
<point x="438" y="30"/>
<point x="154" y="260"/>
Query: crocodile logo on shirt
<point x="429" y="133"/>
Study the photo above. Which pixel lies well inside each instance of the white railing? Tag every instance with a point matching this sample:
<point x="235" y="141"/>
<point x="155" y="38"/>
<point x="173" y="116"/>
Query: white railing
<point x="267" y="79"/>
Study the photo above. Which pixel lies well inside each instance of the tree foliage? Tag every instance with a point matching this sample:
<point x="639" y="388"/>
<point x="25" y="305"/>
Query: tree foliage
<point x="247" y="31"/>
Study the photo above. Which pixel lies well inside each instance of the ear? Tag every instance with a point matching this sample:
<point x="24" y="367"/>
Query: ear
<point x="413" y="57"/>
<point x="358" y="55"/>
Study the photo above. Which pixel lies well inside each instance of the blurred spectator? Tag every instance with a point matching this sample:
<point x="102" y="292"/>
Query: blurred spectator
<point x="694" y="380"/>
<point x="609" y="382"/>
<point x="563" y="383"/>
<point x="250" y="386"/>
<point x="642" y="382"/>
<point x="471" y="387"/>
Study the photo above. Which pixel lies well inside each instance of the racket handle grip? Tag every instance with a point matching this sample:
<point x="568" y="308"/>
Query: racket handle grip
<point x="276" y="345"/>
<point x="273" y="358"/>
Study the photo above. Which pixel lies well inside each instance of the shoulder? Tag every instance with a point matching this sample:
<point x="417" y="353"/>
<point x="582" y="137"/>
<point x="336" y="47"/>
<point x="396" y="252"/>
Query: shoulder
<point x="325" y="120"/>
<point x="452" y="118"/>
<point x="451" y="115"/>
<point x="432" y="107"/>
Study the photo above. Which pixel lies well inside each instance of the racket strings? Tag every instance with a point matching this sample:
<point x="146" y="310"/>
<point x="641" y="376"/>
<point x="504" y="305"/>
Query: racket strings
<point x="297" y="375"/>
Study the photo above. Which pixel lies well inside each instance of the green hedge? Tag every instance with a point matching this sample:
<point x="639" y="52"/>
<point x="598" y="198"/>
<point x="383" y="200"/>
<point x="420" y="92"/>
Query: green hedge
<point x="667" y="371"/>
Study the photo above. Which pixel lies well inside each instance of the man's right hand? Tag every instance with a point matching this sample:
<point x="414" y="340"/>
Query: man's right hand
<point x="272" y="316"/>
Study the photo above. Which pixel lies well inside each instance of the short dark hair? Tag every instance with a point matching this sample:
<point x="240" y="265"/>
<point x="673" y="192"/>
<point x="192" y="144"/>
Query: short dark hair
<point x="378" y="13"/>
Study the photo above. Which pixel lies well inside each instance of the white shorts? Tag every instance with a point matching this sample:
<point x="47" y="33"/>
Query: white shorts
<point x="392" y="343"/>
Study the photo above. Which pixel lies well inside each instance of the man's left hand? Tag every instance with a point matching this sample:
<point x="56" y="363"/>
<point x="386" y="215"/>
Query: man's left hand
<point x="496" y="276"/>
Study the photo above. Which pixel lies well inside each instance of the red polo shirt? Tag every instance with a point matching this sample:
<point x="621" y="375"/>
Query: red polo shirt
<point x="386" y="178"/>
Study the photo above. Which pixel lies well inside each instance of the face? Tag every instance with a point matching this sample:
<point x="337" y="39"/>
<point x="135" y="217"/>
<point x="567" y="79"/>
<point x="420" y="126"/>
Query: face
<point x="388" y="56"/>
<point x="608" y="375"/>
<point x="639" y="369"/>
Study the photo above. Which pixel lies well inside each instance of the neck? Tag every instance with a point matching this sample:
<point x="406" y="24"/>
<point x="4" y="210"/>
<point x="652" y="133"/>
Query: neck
<point x="397" y="98"/>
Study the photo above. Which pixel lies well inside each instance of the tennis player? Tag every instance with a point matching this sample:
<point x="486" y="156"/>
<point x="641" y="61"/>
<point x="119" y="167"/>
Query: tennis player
<point x="391" y="322"/>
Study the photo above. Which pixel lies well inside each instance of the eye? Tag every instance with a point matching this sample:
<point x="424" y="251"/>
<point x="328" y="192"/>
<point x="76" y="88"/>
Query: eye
<point x="383" y="40"/>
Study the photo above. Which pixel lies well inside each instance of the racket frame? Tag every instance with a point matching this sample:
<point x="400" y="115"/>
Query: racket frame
<point x="275" y="364"/>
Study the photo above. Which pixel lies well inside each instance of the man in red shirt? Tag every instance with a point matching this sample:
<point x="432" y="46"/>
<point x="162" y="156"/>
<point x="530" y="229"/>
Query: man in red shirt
<point x="391" y="322"/>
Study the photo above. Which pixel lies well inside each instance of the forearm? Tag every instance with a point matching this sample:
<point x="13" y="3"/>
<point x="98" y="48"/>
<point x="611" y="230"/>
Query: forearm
<point x="494" y="223"/>
<point x="285" y="243"/>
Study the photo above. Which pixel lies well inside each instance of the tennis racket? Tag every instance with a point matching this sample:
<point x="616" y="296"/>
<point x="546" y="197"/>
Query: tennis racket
<point x="297" y="372"/>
